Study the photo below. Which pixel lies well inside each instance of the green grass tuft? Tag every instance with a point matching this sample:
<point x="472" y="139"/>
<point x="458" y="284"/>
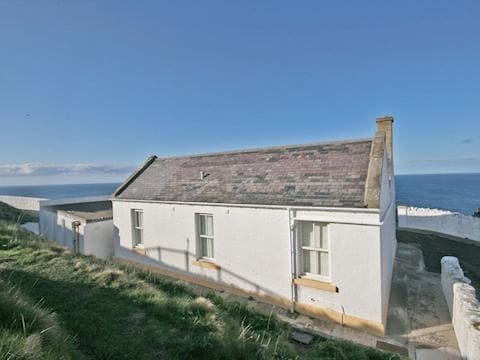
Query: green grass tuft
<point x="59" y="305"/>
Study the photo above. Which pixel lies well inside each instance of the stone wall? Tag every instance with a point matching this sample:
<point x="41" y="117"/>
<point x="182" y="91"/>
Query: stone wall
<point x="464" y="307"/>
<point x="441" y="221"/>
<point x="22" y="202"/>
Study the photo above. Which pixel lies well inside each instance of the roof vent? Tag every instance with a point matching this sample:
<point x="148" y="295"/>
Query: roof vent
<point x="203" y="175"/>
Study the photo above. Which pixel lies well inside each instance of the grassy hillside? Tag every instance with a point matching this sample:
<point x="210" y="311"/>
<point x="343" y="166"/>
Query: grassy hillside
<point x="57" y="305"/>
<point x="12" y="214"/>
<point x="435" y="246"/>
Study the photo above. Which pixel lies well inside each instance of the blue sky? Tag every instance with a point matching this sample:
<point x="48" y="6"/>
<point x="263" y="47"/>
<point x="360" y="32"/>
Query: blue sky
<point x="89" y="89"/>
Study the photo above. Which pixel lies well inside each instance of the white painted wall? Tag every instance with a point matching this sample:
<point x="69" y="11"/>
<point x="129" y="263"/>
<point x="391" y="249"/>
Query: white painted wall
<point x="99" y="239"/>
<point x="96" y="238"/>
<point x="388" y="234"/>
<point x="57" y="226"/>
<point x="252" y="246"/>
<point x="464" y="307"/>
<point x="388" y="247"/>
<point x="22" y="202"/>
<point x="442" y="221"/>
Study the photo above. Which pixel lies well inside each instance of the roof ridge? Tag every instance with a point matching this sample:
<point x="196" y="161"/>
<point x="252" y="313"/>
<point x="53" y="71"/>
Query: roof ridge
<point x="134" y="175"/>
<point x="241" y="151"/>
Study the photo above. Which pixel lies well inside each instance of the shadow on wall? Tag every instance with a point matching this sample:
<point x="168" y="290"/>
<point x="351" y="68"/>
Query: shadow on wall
<point x="212" y="278"/>
<point x="440" y="221"/>
<point x="63" y="234"/>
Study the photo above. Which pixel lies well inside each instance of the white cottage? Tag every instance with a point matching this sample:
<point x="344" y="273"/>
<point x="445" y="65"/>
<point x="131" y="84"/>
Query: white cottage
<point x="306" y="227"/>
<point x="84" y="225"/>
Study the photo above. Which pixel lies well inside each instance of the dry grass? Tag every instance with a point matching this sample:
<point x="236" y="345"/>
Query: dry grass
<point x="58" y="305"/>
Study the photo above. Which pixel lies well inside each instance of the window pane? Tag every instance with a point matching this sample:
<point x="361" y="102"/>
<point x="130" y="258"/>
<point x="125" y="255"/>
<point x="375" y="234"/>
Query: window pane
<point x="210" y="248"/>
<point x="307" y="234"/>
<point x="317" y="233"/>
<point x="306" y="261"/>
<point x="209" y="225"/>
<point x="324" y="237"/>
<point x="203" y="247"/>
<point x="323" y="262"/>
<point x="203" y="226"/>
<point x="139" y="218"/>
<point x="138" y="236"/>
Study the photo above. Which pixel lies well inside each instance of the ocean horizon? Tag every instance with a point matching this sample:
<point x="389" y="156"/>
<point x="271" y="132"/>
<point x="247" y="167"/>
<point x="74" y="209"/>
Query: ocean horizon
<point x="454" y="192"/>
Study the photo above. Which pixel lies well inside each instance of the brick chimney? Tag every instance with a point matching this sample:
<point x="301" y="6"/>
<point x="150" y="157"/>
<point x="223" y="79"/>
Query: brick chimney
<point x="385" y="124"/>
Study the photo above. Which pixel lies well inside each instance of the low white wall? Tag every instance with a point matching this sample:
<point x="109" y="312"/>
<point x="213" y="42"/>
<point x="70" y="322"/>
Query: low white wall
<point x="451" y="274"/>
<point x="464" y="307"/>
<point x="22" y="202"/>
<point x="442" y="221"/>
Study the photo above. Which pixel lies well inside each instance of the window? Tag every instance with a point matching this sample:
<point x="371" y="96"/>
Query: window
<point x="314" y="252"/>
<point x="205" y="236"/>
<point x="137" y="228"/>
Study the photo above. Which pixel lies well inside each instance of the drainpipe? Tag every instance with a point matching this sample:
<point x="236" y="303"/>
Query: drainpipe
<point x="293" y="257"/>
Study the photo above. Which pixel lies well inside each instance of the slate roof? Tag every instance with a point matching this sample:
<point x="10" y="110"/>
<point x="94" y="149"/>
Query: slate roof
<point x="331" y="174"/>
<point x="89" y="211"/>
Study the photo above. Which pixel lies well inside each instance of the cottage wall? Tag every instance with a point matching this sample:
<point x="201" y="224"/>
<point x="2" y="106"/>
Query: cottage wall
<point x="388" y="243"/>
<point x="252" y="249"/>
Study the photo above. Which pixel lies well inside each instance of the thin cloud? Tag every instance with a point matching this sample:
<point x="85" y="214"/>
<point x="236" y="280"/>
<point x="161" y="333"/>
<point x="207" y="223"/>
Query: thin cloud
<point x="439" y="165"/>
<point x="39" y="169"/>
<point x="465" y="159"/>
<point x="463" y="141"/>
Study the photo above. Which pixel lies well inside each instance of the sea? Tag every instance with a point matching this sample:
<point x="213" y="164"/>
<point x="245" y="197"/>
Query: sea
<point x="454" y="192"/>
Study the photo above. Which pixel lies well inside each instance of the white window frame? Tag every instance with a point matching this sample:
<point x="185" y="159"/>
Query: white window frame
<point x="200" y="237"/>
<point x="301" y="247"/>
<point x="137" y="229"/>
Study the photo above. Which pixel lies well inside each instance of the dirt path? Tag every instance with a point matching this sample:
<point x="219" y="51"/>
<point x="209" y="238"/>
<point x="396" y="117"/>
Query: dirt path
<point x="418" y="314"/>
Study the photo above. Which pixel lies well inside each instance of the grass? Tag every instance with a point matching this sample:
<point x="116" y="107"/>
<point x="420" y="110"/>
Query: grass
<point x="435" y="246"/>
<point x="12" y="214"/>
<point x="59" y="305"/>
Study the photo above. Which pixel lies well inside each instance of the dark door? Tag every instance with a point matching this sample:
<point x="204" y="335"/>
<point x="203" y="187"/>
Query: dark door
<point x="76" y="236"/>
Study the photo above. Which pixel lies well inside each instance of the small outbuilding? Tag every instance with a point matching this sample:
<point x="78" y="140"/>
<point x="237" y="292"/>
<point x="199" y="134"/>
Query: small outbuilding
<point x="83" y="224"/>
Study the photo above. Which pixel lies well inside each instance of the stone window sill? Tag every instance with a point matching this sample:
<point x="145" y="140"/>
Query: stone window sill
<point x="139" y="250"/>
<point x="316" y="284"/>
<point x="206" y="264"/>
